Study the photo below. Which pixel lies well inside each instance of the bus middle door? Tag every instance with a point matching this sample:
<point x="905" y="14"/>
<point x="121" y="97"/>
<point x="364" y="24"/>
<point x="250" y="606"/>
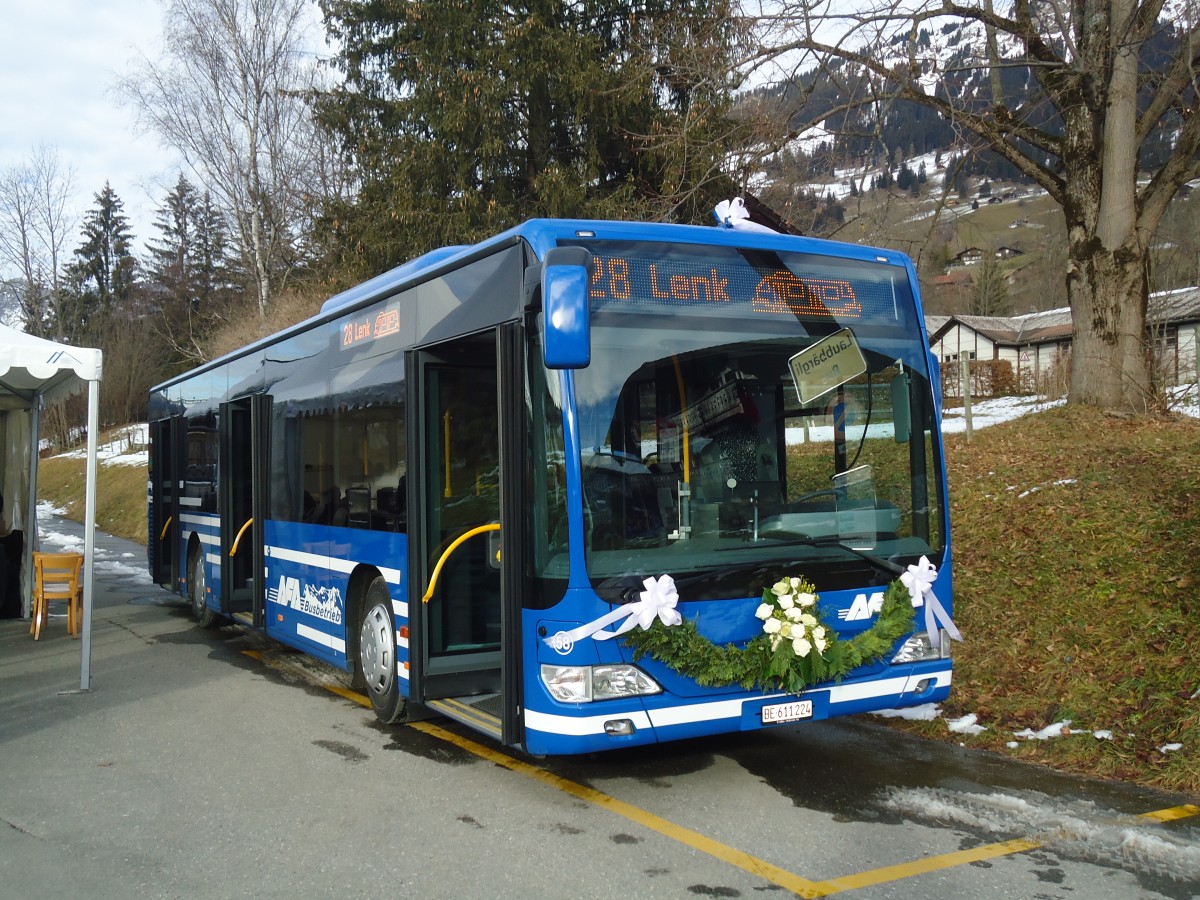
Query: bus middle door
<point x="243" y="504"/>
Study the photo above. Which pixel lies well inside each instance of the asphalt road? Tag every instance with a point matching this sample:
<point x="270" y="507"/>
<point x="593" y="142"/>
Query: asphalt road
<point x="211" y="763"/>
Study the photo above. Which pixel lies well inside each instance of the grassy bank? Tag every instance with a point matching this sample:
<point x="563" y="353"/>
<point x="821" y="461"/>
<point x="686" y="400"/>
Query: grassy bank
<point x="120" y="494"/>
<point x="1077" y="553"/>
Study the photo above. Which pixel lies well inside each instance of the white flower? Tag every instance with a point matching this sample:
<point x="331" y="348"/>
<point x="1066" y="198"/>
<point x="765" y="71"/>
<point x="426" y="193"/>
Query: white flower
<point x="810" y="621"/>
<point x="794" y="613"/>
<point x="782" y="587"/>
<point x="785" y="629"/>
<point x="819" y="642"/>
<point x="772" y="626"/>
<point x="806" y="599"/>
<point x="775" y="642"/>
<point x="786" y="601"/>
<point x="795" y="582"/>
<point x="819" y="633"/>
<point x="764" y="611"/>
<point x="801" y="647"/>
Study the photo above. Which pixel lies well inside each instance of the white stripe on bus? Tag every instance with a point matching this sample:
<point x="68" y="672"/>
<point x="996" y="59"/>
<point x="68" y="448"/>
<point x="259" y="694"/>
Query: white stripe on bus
<point x="320" y="637"/>
<point x="207" y="521"/>
<point x="329" y="563"/>
<point x="719" y="709"/>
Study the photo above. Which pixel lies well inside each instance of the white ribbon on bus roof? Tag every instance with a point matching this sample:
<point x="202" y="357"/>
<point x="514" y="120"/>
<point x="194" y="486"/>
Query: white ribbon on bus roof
<point x="733" y="214"/>
<point x="919" y="580"/>
<point x="657" y="602"/>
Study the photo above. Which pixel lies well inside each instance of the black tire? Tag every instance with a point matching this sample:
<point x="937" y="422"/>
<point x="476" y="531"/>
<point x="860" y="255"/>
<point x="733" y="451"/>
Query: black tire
<point x="377" y="654"/>
<point x="198" y="589"/>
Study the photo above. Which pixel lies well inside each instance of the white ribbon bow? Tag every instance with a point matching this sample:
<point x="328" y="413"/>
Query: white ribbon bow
<point x="919" y="580"/>
<point x="733" y="214"/>
<point x="657" y="601"/>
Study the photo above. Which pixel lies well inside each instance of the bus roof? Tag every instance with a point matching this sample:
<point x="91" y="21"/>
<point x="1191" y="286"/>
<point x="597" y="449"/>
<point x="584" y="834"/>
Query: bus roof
<point x="542" y="235"/>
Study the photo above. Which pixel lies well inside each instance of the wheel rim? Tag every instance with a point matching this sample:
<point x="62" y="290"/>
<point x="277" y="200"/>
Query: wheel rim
<point x="198" y="603"/>
<point x="377" y="650"/>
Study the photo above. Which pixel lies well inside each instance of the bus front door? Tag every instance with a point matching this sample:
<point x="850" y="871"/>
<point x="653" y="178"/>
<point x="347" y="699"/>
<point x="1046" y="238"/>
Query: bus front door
<point x="466" y="630"/>
<point x="242" y="478"/>
<point x="168" y="461"/>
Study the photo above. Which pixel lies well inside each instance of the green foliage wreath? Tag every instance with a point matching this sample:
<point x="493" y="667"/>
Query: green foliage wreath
<point x="795" y="652"/>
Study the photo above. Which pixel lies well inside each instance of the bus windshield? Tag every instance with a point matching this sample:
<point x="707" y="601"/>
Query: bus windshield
<point x="709" y="454"/>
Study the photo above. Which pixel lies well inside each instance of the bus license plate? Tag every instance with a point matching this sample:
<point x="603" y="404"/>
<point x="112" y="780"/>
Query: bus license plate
<point x="787" y="712"/>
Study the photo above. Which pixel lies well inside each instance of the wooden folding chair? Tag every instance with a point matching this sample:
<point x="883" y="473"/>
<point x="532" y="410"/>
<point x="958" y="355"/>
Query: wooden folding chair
<point x="56" y="577"/>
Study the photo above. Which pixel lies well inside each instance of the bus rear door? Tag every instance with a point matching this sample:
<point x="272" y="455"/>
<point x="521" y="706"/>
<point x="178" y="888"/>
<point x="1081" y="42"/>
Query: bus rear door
<point x="168" y="443"/>
<point x="465" y="652"/>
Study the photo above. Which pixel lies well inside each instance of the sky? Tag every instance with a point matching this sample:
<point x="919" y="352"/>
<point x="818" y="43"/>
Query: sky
<point x="60" y="61"/>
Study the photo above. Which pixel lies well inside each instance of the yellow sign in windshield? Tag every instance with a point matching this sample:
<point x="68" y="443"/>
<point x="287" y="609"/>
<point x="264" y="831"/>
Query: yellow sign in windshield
<point x="831" y="361"/>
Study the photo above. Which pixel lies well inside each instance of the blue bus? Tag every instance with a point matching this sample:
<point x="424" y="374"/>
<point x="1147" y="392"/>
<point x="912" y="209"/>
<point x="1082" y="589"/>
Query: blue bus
<point x="460" y="479"/>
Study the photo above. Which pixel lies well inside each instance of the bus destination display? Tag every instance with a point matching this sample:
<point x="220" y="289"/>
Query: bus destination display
<point x="679" y="283"/>
<point x="369" y="328"/>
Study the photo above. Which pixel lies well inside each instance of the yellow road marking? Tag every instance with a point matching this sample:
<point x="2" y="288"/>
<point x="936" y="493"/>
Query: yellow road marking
<point x="1170" y="815"/>
<point x="924" y="866"/>
<point x="802" y="887"/>
<point x="752" y="864"/>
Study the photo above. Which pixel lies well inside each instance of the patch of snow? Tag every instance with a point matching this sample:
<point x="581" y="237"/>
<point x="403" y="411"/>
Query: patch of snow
<point x="926" y="712"/>
<point x="968" y="724"/>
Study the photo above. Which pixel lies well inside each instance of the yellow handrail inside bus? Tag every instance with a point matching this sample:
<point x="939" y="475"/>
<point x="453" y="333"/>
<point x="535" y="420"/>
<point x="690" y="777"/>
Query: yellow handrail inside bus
<point x="437" y="570"/>
<point x="170" y="519"/>
<point x="237" y="540"/>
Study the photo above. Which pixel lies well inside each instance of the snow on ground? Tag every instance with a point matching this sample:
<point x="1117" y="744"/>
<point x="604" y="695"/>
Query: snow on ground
<point x="1077" y="828"/>
<point x="51" y="539"/>
<point x="125" y="447"/>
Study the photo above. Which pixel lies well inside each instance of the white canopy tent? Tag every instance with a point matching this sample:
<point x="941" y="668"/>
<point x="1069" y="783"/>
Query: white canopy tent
<point x="35" y="372"/>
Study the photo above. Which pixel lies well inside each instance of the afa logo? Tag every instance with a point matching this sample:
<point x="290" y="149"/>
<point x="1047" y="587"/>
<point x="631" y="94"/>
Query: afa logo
<point x="323" y="603"/>
<point x="865" y="606"/>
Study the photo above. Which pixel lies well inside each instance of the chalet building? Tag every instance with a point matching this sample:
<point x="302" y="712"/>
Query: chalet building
<point x="1037" y="344"/>
<point x="968" y="257"/>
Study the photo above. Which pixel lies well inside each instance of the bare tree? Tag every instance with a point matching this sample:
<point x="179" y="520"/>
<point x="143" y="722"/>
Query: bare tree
<point x="228" y="94"/>
<point x="34" y="225"/>
<point x="1076" y="127"/>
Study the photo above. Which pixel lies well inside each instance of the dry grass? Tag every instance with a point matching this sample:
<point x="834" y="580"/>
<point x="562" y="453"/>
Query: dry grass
<point x="120" y="494"/>
<point x="1075" y="546"/>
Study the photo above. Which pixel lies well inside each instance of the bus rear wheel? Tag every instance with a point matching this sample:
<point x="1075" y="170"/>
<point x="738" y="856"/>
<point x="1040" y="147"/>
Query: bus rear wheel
<point x="377" y="654"/>
<point x="197" y="585"/>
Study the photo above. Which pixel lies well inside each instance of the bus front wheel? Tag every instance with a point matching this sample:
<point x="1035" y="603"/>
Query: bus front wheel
<point x="197" y="585"/>
<point x="377" y="653"/>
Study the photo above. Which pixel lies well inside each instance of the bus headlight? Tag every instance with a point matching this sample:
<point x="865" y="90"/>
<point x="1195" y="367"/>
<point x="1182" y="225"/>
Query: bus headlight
<point x="583" y="684"/>
<point x="919" y="649"/>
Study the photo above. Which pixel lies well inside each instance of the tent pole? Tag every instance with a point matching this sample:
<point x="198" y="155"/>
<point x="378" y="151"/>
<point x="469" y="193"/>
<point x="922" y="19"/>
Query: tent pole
<point x="89" y="533"/>
<point x="30" y="524"/>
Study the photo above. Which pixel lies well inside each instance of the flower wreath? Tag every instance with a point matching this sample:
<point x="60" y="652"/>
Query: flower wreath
<point x="794" y="650"/>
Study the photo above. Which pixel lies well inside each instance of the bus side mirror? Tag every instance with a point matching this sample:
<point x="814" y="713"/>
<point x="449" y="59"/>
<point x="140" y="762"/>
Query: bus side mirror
<point x="568" y="341"/>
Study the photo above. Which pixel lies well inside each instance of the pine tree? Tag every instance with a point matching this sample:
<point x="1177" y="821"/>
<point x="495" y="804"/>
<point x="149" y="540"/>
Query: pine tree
<point x="989" y="289"/>
<point x="101" y="278"/>
<point x="188" y="270"/>
<point x="463" y="117"/>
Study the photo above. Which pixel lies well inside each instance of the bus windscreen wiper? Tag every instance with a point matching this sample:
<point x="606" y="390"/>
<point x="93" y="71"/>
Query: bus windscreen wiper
<point x="885" y="566"/>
